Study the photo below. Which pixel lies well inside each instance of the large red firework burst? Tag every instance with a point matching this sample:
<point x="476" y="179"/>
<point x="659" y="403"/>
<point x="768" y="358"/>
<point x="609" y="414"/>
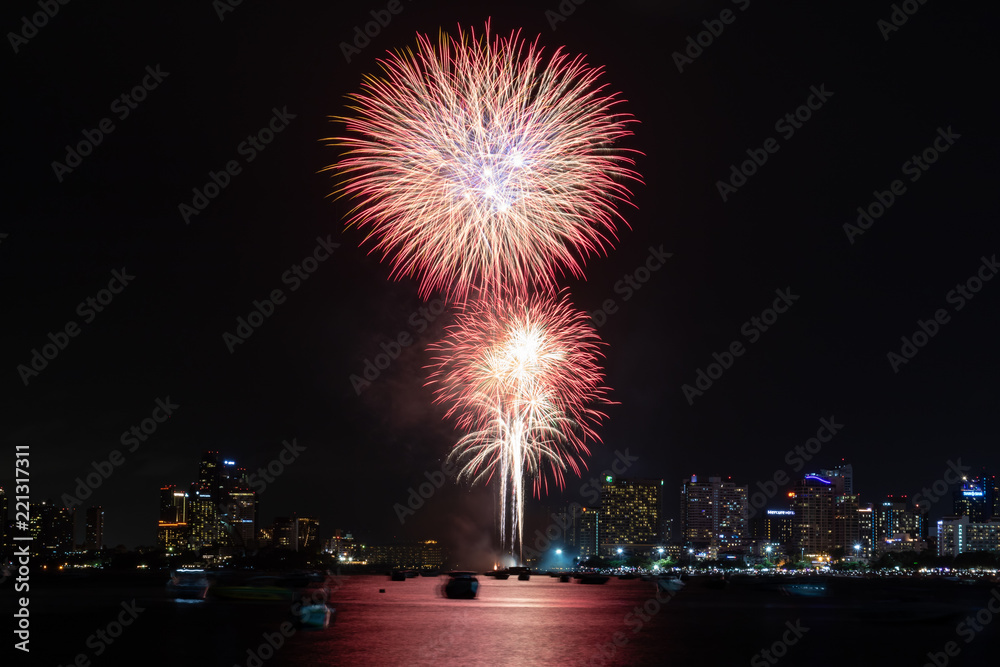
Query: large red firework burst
<point x="478" y="164"/>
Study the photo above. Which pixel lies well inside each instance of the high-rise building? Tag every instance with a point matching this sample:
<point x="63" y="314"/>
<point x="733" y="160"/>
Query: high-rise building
<point x="172" y="526"/>
<point x="976" y="498"/>
<point x="842" y="476"/>
<point x="298" y="533"/>
<point x="630" y="515"/>
<point x="204" y="528"/>
<point x="237" y="507"/>
<point x="713" y="513"/>
<point x="958" y="535"/>
<point x="814" y="502"/>
<point x="584" y="531"/>
<point x="94" y="537"/>
<point x="846" y="526"/>
<point x="777" y="526"/>
<point x="866" y="532"/>
<point x="52" y="528"/>
<point x="895" y="516"/>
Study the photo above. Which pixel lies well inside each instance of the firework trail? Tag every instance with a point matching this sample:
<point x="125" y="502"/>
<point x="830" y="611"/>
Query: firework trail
<point x="519" y="376"/>
<point x="486" y="171"/>
<point x="477" y="164"/>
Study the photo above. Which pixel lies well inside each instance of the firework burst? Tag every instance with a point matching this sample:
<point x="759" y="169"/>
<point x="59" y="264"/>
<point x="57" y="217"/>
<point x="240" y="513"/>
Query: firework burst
<point x="520" y="377"/>
<point x="479" y="165"/>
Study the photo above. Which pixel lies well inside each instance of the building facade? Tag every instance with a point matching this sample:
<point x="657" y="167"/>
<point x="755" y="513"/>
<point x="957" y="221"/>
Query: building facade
<point x="714" y="514"/>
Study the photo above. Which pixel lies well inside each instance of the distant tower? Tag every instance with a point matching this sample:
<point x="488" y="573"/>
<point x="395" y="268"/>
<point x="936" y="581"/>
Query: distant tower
<point x="95" y="528"/>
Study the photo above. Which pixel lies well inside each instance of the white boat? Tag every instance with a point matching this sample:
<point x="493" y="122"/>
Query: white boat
<point x="669" y="583"/>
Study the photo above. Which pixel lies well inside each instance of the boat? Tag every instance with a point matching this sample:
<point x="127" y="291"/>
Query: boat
<point x="461" y="586"/>
<point x="502" y="576"/>
<point x="397" y="575"/>
<point x="627" y="576"/>
<point x="669" y="583"/>
<point x="814" y="588"/>
<point x="563" y="578"/>
<point x="594" y="578"/>
<point x="188" y="584"/>
<point x="315" y="616"/>
<point x="524" y="576"/>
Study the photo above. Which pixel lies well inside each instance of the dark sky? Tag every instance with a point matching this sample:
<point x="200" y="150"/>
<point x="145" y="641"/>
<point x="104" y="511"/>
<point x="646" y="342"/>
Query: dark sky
<point x="161" y="336"/>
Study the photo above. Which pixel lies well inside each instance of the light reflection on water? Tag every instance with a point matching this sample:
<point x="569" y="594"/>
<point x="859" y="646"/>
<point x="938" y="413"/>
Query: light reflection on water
<point x="536" y="622"/>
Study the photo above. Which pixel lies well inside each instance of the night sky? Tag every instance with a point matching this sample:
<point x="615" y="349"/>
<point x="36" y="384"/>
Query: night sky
<point x="856" y="293"/>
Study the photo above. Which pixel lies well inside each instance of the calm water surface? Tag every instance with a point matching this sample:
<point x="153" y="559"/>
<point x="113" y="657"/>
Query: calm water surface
<point x="537" y="622"/>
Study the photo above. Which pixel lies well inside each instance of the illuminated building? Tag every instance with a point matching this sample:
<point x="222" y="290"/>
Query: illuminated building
<point x="976" y="498"/>
<point x="406" y="556"/>
<point x="958" y="535"/>
<point x="94" y="537"/>
<point x="584" y="532"/>
<point x="893" y="517"/>
<point x="298" y="533"/>
<point x="814" y="503"/>
<point x="777" y="526"/>
<point x="866" y="532"/>
<point x="713" y="513"/>
<point x="172" y="526"/>
<point x="630" y="515"/>
<point x="341" y="545"/>
<point x="52" y="529"/>
<point x="431" y="555"/>
<point x="203" y="516"/>
<point x="846" y="526"/>
<point x="238" y="507"/>
<point x="842" y="476"/>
